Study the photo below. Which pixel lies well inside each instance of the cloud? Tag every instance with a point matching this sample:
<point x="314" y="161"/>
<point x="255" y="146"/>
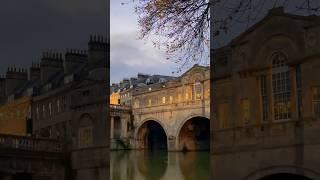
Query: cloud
<point x="130" y="56"/>
<point x="79" y="7"/>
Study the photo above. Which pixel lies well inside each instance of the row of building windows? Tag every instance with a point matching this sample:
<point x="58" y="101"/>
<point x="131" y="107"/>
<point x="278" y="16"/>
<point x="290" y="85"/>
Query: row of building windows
<point x="198" y="95"/>
<point x="51" y="108"/>
<point x="280" y="95"/>
<point x="15" y="114"/>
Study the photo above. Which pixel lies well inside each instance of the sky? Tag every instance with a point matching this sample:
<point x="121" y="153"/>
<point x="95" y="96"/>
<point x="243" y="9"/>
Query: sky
<point x="129" y="55"/>
<point x="32" y="26"/>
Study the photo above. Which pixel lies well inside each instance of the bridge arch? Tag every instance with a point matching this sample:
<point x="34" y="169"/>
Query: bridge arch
<point x="193" y="133"/>
<point x="151" y="134"/>
<point x="283" y="172"/>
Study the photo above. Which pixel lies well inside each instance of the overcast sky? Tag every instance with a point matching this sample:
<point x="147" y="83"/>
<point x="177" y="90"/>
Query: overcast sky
<point x="30" y="26"/>
<point x="128" y="54"/>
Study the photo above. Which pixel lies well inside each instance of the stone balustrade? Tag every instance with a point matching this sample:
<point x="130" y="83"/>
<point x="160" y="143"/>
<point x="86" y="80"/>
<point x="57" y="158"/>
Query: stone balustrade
<point x="30" y="144"/>
<point x="119" y="107"/>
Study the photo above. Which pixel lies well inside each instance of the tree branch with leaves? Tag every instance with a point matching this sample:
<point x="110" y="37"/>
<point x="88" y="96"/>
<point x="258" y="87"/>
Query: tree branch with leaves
<point x="182" y="27"/>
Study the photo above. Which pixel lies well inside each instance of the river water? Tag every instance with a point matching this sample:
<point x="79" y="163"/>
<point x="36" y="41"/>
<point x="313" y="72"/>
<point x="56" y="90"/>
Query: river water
<point x="159" y="165"/>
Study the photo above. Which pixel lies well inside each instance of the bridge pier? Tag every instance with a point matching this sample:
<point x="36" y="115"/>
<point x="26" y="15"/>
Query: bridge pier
<point x="172" y="143"/>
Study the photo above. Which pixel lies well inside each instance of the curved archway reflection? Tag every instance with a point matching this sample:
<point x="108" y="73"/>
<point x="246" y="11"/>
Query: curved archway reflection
<point x="152" y="164"/>
<point x="195" y="165"/>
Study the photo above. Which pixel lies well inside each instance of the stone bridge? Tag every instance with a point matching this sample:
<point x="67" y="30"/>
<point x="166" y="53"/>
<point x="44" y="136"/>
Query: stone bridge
<point x="31" y="159"/>
<point x="175" y="127"/>
<point x="172" y="115"/>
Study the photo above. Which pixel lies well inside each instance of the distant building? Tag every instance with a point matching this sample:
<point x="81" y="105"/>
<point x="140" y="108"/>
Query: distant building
<point x="115" y="98"/>
<point x="14" y="116"/>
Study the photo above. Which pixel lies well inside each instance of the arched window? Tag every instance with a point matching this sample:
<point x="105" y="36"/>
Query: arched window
<point x="280" y="87"/>
<point x="197" y="89"/>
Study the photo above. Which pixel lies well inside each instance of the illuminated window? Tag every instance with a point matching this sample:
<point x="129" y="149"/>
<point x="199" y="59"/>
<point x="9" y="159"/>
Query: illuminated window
<point x="187" y="96"/>
<point x="223" y="115"/>
<point x="245" y="111"/>
<point x="281" y="87"/>
<point x="197" y="90"/>
<point x="171" y="99"/>
<point x="163" y="100"/>
<point x="85" y="137"/>
<point x="179" y="97"/>
<point x="316" y="100"/>
<point x="149" y="102"/>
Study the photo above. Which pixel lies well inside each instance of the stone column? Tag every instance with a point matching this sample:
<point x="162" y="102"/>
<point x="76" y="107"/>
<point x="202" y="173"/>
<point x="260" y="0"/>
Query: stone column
<point x="172" y="146"/>
<point x="111" y="127"/>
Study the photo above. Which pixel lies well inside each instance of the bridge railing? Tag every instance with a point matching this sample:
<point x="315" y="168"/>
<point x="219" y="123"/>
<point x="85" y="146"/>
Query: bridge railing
<point x="29" y="143"/>
<point x="119" y="107"/>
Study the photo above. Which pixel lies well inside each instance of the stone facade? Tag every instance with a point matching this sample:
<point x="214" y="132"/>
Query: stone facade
<point x="265" y="113"/>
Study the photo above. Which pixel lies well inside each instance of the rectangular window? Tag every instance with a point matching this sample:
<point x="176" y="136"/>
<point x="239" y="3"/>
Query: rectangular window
<point x="264" y="97"/>
<point x="171" y="99"/>
<point x="37" y="113"/>
<point x="245" y="111"/>
<point x="281" y="95"/>
<point x="50" y="109"/>
<point x="149" y="102"/>
<point x="197" y="91"/>
<point x="85" y="137"/>
<point x="316" y="100"/>
<point x="223" y="115"/>
<point x="163" y="100"/>
<point x="43" y="111"/>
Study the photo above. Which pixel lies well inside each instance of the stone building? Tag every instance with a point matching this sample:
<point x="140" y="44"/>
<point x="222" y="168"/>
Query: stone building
<point x="16" y="100"/>
<point x="115" y="98"/>
<point x="65" y="98"/>
<point x="266" y="101"/>
<point x="14" y="116"/>
<point x="51" y="109"/>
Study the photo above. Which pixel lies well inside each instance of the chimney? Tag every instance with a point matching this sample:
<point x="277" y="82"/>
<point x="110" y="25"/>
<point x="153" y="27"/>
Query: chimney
<point x="98" y="51"/>
<point x="34" y="71"/>
<point x="15" y="77"/>
<point x="2" y="89"/>
<point x="73" y="59"/>
<point x="51" y="63"/>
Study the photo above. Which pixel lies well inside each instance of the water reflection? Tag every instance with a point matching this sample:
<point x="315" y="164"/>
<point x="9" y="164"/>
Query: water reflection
<point x="159" y="165"/>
